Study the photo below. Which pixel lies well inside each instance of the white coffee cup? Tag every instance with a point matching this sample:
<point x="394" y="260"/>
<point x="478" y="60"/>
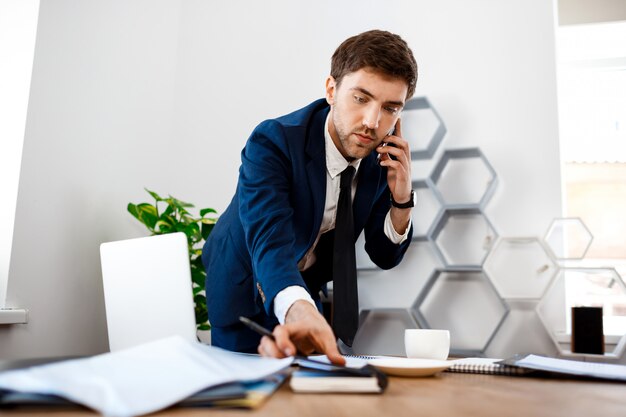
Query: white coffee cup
<point x="427" y="343"/>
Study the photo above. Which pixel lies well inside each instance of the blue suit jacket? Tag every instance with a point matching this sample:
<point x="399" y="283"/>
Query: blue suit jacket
<point x="276" y="213"/>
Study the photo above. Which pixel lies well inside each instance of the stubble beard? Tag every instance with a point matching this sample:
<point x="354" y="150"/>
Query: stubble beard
<point x="352" y="148"/>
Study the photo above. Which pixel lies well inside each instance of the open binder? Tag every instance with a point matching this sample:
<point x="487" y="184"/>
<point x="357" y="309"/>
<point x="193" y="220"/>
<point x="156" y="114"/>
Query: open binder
<point x="568" y="368"/>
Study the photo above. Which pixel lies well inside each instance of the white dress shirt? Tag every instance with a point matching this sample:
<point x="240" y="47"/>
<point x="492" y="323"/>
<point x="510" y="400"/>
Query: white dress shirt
<point x="335" y="165"/>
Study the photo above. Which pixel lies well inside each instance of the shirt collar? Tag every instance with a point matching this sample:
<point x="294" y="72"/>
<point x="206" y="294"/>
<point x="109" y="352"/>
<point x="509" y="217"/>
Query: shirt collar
<point x="335" y="162"/>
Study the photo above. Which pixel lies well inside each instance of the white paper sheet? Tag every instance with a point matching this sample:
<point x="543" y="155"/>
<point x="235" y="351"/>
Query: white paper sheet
<point x="142" y="379"/>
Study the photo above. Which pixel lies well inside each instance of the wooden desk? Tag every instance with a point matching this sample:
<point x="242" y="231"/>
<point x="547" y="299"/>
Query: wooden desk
<point x="447" y="394"/>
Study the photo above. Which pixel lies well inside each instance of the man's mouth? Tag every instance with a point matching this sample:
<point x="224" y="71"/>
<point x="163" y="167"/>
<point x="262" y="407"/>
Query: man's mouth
<point x="363" y="138"/>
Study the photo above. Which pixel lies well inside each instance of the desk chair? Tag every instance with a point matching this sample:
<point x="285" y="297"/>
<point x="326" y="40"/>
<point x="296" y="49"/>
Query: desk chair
<point x="147" y="290"/>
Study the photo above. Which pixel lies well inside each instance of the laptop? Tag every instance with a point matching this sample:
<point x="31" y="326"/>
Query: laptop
<point x="147" y="290"/>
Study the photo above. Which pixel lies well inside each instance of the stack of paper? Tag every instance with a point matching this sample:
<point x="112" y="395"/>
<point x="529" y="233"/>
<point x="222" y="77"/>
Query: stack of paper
<point x="142" y="379"/>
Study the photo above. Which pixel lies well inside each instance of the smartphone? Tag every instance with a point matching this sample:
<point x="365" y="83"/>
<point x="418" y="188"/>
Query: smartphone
<point x="391" y="132"/>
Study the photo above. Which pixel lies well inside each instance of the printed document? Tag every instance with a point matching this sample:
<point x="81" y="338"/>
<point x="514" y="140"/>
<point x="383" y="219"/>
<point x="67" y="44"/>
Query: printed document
<point x="141" y="379"/>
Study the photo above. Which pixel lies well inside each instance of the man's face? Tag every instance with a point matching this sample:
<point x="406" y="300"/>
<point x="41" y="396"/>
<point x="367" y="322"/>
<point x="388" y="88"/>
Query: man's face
<point x="364" y="109"/>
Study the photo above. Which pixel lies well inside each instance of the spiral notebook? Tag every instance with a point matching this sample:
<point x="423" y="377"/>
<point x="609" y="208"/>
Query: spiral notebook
<point x="489" y="366"/>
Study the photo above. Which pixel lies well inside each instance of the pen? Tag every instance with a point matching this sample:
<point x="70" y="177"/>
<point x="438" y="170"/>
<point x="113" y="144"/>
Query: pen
<point x="257" y="328"/>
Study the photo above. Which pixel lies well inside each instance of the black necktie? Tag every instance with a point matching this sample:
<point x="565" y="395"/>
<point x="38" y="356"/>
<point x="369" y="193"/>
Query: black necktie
<point x="345" y="294"/>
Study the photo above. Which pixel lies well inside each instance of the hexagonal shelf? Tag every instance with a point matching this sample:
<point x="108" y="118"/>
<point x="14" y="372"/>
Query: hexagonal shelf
<point x="464" y="177"/>
<point x="422" y="127"/>
<point x="520" y="268"/>
<point x="521" y="320"/>
<point x="398" y="287"/>
<point x="381" y="332"/>
<point x="464" y="302"/>
<point x="568" y="238"/>
<point x="574" y="287"/>
<point x="463" y="237"/>
<point x="426" y="209"/>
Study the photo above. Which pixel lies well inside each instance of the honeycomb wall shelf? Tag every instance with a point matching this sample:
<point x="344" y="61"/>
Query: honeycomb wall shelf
<point x="520" y="267"/>
<point x="464" y="302"/>
<point x="382" y="330"/>
<point x="568" y="238"/>
<point x="464" y="178"/>
<point x="427" y="209"/>
<point x="463" y="237"/>
<point x="423" y="128"/>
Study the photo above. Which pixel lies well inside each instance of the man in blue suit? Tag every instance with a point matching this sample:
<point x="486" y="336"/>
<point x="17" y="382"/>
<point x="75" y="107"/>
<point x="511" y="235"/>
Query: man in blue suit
<point x="268" y="257"/>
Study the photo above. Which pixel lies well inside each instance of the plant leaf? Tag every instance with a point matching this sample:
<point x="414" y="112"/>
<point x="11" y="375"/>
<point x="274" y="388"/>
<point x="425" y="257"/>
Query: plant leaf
<point x="132" y="209"/>
<point x="147" y="214"/>
<point x="200" y="309"/>
<point x="154" y="195"/>
<point x="181" y="203"/>
<point x="201" y="316"/>
<point x="163" y="226"/>
<point x="168" y="211"/>
<point x="197" y="261"/>
<point x="192" y="230"/>
<point x="198" y="276"/>
<point x="206" y="211"/>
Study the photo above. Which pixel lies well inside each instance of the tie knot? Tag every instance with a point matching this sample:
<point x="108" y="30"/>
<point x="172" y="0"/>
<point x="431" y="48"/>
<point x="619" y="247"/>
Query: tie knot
<point x="346" y="176"/>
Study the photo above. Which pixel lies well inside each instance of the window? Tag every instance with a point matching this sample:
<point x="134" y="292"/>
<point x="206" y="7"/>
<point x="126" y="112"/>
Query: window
<point x="592" y="120"/>
<point x="18" y="26"/>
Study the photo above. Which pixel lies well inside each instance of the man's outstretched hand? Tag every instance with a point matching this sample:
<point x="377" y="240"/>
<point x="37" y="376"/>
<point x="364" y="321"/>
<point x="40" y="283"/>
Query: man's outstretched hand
<point x="305" y="331"/>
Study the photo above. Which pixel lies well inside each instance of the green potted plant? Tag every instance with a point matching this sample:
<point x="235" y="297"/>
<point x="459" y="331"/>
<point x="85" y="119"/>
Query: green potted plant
<point x="171" y="215"/>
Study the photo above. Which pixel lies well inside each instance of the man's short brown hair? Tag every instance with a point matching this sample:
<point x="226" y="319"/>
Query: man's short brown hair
<point x="380" y="50"/>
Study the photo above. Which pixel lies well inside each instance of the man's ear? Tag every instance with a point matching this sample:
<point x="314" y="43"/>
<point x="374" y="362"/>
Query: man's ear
<point x="331" y="89"/>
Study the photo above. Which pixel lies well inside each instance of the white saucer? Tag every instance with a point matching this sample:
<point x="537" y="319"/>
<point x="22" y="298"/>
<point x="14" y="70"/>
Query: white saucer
<point x="409" y="366"/>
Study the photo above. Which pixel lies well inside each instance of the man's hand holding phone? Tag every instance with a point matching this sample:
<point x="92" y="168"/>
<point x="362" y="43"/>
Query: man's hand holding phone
<point x="395" y="155"/>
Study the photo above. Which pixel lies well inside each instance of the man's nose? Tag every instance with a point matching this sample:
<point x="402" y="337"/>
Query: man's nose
<point x="371" y="118"/>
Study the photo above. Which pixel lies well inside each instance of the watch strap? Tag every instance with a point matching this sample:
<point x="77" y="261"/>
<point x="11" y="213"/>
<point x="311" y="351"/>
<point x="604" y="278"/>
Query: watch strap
<point x="408" y="204"/>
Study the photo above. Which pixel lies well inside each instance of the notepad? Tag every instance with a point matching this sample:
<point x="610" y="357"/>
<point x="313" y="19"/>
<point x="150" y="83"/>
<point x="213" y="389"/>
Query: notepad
<point x="489" y="366"/>
<point x="308" y="380"/>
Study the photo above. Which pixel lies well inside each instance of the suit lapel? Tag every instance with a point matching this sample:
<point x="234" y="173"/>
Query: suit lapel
<point x="316" y="168"/>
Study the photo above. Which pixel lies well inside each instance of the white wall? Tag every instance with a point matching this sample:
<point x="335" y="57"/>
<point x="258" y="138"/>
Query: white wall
<point x="163" y="94"/>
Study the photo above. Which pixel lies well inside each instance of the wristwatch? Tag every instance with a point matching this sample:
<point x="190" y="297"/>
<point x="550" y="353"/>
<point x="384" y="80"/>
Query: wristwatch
<point x="408" y="204"/>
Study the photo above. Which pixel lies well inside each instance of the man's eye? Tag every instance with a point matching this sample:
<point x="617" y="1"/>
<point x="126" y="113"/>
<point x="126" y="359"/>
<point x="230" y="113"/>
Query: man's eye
<point x="359" y="99"/>
<point x="392" y="110"/>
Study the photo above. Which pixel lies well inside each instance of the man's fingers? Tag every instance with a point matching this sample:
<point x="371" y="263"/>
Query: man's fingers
<point x="283" y="341"/>
<point x="399" y="153"/>
<point x="331" y="351"/>
<point x="267" y="347"/>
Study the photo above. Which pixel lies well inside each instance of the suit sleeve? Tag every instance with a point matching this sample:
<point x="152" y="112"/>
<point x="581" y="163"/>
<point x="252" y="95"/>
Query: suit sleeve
<point x="381" y="250"/>
<point x="266" y="211"/>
